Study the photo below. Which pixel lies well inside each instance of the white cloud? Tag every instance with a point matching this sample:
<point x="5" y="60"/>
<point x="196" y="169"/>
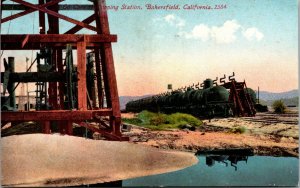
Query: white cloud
<point x="223" y="34"/>
<point x="253" y="34"/>
<point x="170" y="18"/>
<point x="201" y="32"/>
<point x="175" y="20"/>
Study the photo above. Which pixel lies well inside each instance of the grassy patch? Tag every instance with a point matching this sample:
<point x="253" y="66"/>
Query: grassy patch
<point x="238" y="129"/>
<point x="159" y="121"/>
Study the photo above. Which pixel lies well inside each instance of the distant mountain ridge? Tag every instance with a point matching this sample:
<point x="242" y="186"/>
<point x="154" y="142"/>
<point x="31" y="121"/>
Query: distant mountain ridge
<point x="270" y="96"/>
<point x="266" y="96"/>
<point x="125" y="99"/>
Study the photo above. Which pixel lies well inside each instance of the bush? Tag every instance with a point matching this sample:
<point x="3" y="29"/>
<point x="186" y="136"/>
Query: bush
<point x="184" y="119"/>
<point x="134" y="121"/>
<point x="160" y="121"/>
<point x="145" y="116"/>
<point x="238" y="130"/>
<point x="279" y="107"/>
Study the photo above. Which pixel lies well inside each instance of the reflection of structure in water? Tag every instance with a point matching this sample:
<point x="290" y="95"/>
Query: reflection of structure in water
<point x="234" y="159"/>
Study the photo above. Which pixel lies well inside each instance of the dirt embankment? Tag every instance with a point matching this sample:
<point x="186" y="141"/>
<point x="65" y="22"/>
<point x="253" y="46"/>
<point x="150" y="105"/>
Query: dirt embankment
<point x="266" y="134"/>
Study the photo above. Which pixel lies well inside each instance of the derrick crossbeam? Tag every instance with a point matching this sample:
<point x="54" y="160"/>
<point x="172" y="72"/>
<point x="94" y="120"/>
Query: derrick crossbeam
<point x="54" y="115"/>
<point x="35" y="77"/>
<point x="105" y="133"/>
<point x="33" y="41"/>
<point x="73" y="7"/>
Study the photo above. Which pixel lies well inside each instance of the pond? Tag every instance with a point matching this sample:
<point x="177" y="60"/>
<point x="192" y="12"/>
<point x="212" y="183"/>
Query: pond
<point x="228" y="170"/>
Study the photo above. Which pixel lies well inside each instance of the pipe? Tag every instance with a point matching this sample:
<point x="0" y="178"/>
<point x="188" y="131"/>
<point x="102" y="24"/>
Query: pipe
<point x="231" y="77"/>
<point x="258" y="95"/>
<point x="222" y="80"/>
<point x="215" y="81"/>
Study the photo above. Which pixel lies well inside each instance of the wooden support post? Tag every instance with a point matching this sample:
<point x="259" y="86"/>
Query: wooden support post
<point x="111" y="78"/>
<point x="46" y="127"/>
<point x="61" y="85"/>
<point x="69" y="128"/>
<point x="42" y="19"/>
<point x="53" y="29"/>
<point x="99" y="77"/>
<point x="107" y="58"/>
<point x="107" y="62"/>
<point x="61" y="126"/>
<point x="81" y="72"/>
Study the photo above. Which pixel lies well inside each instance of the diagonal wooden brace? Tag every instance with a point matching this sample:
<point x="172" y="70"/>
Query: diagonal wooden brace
<point x="76" y="28"/>
<point x="68" y="19"/>
<point x="20" y="14"/>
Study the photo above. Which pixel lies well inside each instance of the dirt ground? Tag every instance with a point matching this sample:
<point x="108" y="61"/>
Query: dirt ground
<point x="266" y="133"/>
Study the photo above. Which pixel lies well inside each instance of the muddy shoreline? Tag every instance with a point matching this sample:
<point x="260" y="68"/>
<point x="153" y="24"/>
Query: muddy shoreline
<point x="266" y="134"/>
<point x="175" y="140"/>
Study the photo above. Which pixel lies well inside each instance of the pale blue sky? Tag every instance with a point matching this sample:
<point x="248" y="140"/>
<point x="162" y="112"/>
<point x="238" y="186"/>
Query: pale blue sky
<point x="258" y="39"/>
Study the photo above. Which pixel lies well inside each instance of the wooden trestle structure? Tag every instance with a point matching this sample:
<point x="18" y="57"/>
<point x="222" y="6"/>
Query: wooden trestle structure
<point x="99" y="43"/>
<point x="243" y="106"/>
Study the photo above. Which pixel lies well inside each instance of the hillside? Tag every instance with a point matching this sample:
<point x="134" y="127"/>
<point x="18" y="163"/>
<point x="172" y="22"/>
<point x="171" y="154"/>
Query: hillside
<point x="126" y="99"/>
<point x="269" y="96"/>
<point x="288" y="101"/>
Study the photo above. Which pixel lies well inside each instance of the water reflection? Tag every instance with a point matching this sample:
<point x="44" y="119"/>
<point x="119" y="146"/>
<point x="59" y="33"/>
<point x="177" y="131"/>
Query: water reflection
<point x="232" y="159"/>
<point x="234" y="168"/>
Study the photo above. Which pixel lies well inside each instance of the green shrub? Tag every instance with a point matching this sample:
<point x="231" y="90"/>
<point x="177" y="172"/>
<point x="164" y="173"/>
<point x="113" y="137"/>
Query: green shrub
<point x="145" y="116"/>
<point x="183" y="119"/>
<point x="238" y="130"/>
<point x="135" y="121"/>
<point x="160" y="121"/>
<point x="279" y="107"/>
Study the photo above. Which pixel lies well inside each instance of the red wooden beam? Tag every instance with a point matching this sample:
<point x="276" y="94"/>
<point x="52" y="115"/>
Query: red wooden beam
<point x="57" y="38"/>
<point x="43" y="9"/>
<point x="69" y="128"/>
<point x="42" y="19"/>
<point x="81" y="75"/>
<point x="53" y="115"/>
<point x="59" y="41"/>
<point x="65" y="7"/>
<point x="102" y="19"/>
<point x="37" y="46"/>
<point x="104" y="133"/>
<point x="46" y="127"/>
<point x="28" y="11"/>
<point x="53" y="29"/>
<point x="108" y="65"/>
<point x="107" y="57"/>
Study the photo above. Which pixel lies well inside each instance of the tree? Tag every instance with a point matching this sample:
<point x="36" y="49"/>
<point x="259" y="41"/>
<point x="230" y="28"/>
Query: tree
<point x="279" y="107"/>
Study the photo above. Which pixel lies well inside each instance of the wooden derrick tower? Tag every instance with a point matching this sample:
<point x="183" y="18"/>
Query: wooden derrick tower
<point x="63" y="107"/>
